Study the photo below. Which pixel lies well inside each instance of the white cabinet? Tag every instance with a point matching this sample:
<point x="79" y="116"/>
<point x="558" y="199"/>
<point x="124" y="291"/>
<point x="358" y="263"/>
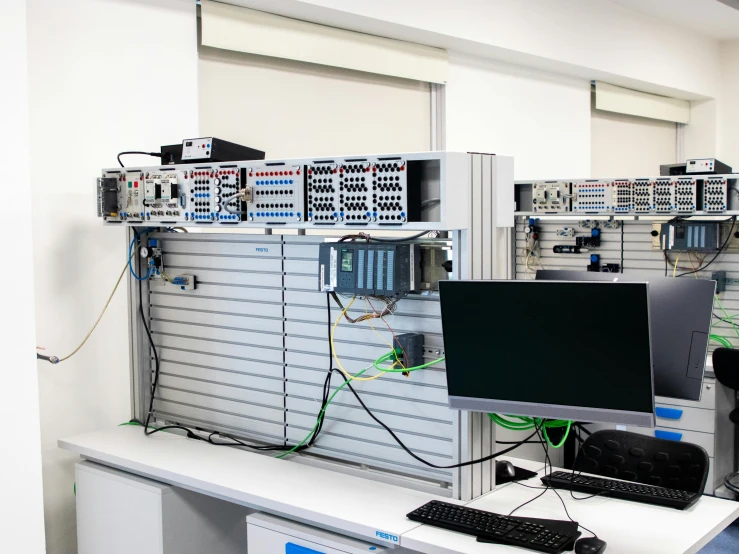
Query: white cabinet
<point x="272" y="535"/>
<point x="705" y="423"/>
<point x="121" y="513"/>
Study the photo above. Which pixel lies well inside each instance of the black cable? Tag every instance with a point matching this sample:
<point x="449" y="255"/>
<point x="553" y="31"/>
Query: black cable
<point x="581" y="426"/>
<point x="548" y="460"/>
<point x="154" y="154"/>
<point x="412" y="237"/>
<point x="666" y="260"/>
<point x="190" y="434"/>
<point x="327" y="380"/>
<point x="723" y="319"/>
<point x="729" y="485"/>
<point x="369" y="238"/>
<point x="518" y="442"/>
<point x="723" y="246"/>
<point x="411" y="453"/>
<point x="551" y="470"/>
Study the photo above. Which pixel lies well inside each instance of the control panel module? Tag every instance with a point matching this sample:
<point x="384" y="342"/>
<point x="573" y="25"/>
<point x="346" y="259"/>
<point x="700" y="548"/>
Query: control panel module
<point x="369" y="269"/>
<point x="374" y="191"/>
<point x="679" y="194"/>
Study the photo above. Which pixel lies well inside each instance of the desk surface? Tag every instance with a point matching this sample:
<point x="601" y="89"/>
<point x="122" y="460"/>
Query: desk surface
<point x="627" y="527"/>
<point x="361" y="507"/>
<point x="347" y="504"/>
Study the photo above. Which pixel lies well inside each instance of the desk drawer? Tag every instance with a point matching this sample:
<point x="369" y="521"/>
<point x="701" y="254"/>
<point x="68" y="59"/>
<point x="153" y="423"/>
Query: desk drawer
<point x="702" y="439"/>
<point x="707" y="401"/>
<point x="690" y="419"/>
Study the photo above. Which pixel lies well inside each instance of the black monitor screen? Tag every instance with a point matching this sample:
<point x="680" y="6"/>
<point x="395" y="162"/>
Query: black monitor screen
<point x="525" y="343"/>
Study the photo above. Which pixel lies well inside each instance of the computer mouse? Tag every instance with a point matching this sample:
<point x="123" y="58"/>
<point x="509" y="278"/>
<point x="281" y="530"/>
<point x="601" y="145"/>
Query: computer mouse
<point x="590" y="545"/>
<point x="504" y="470"/>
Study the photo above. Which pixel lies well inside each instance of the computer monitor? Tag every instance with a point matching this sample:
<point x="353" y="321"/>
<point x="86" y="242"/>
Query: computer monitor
<point x="537" y="348"/>
<point x="680" y="311"/>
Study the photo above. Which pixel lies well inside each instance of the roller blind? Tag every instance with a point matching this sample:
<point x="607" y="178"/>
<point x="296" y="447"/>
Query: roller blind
<point x="244" y="30"/>
<point x="628" y="146"/>
<point x="294" y="109"/>
<point x="632" y="102"/>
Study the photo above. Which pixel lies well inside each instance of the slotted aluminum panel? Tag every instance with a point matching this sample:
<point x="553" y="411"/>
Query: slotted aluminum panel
<point x="414" y="407"/>
<point x="221" y="346"/>
<point x="247" y="353"/>
<point x="631" y="247"/>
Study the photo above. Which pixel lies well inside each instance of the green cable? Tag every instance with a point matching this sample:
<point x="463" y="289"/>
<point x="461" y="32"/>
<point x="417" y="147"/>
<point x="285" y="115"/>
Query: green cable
<point x="319" y="418"/>
<point x="564" y="438"/>
<point x="721" y="340"/>
<point x="393" y="355"/>
<point x="527" y="423"/>
<point x="720" y="305"/>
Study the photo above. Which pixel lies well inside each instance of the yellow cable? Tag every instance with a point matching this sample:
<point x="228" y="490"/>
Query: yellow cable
<point x="690" y="259"/>
<point x="115" y="288"/>
<point x="336" y="357"/>
<point x="674" y="270"/>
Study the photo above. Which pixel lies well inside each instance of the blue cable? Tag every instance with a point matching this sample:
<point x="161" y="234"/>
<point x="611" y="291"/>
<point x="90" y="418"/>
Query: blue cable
<point x="130" y="256"/>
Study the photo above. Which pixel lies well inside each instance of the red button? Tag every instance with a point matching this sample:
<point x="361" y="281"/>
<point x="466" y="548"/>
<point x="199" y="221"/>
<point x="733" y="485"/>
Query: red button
<point x="135" y="184"/>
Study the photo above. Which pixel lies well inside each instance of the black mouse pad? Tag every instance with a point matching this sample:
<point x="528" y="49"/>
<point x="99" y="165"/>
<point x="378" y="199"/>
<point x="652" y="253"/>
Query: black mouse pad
<point x="521" y="475"/>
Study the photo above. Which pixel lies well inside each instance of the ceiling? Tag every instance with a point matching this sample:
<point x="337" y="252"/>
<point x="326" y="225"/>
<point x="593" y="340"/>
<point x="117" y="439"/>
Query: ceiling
<point x="718" y="19"/>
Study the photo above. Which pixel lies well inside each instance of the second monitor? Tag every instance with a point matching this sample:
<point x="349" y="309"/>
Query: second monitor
<point x="532" y="348"/>
<point x="680" y="313"/>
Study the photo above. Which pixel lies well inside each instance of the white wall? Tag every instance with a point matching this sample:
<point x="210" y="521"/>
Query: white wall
<point x="728" y="106"/>
<point x="105" y="76"/>
<point x="594" y="39"/>
<point x="541" y="119"/>
<point x="21" y="505"/>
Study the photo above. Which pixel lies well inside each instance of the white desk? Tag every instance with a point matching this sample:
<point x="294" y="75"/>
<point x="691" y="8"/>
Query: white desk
<point x="348" y="505"/>
<point x="627" y="527"/>
<point x="359" y="507"/>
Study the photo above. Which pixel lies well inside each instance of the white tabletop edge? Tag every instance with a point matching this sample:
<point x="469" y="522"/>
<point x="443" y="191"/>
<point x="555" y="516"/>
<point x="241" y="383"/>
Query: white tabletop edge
<point x="373" y="507"/>
<point x="710" y="513"/>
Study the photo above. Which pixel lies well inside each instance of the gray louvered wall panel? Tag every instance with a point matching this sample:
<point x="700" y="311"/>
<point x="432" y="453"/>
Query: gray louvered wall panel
<point x="404" y="404"/>
<point x="244" y="355"/>
<point x="637" y="254"/>
<point x="221" y="346"/>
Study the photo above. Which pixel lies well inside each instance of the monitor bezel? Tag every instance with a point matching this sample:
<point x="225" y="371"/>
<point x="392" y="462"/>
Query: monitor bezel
<point x="556" y="411"/>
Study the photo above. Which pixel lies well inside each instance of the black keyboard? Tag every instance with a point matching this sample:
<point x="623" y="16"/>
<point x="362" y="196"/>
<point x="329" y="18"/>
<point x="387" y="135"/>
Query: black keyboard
<point x="542" y="535"/>
<point x="647" y="494"/>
